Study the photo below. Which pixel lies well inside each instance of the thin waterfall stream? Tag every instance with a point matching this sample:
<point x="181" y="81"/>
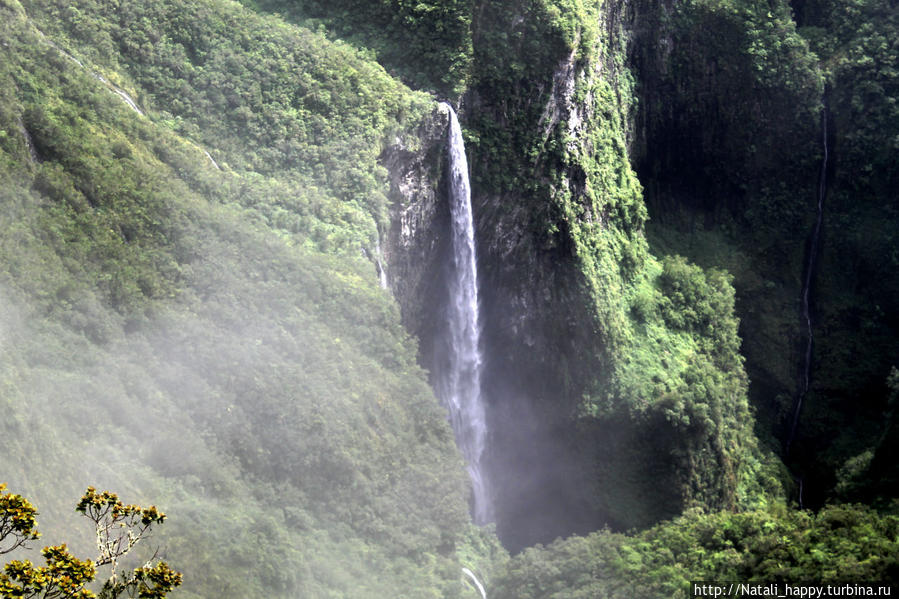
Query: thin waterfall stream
<point x="477" y="583"/>
<point x="459" y="386"/>
<point x="814" y="249"/>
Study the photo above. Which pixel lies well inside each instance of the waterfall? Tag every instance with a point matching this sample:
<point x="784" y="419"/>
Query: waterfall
<point x="807" y="284"/>
<point x="476" y="582"/>
<point x="122" y="94"/>
<point x="379" y="265"/>
<point x="127" y="99"/>
<point x="459" y="386"/>
<point x="112" y="86"/>
<point x="212" y="160"/>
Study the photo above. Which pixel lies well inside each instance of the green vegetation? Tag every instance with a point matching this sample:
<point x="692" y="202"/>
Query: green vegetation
<point x="732" y="173"/>
<point x="734" y="101"/>
<point x="730" y="163"/>
<point x="426" y="43"/>
<point x="119" y="528"/>
<point x="189" y="308"/>
<point x="517" y="46"/>
<point x="857" y="282"/>
<point x="17" y="521"/>
<point x="839" y="544"/>
<point x="239" y="95"/>
<point x="213" y="338"/>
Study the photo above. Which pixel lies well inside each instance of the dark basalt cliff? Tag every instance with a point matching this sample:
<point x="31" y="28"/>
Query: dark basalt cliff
<point x="581" y="434"/>
<point x="731" y="134"/>
<point x="415" y="245"/>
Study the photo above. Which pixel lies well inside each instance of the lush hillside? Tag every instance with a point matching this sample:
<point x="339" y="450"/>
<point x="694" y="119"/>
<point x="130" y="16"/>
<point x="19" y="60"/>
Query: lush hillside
<point x="733" y="176"/>
<point x="176" y="332"/>
<point x="224" y="247"/>
<point x="837" y="546"/>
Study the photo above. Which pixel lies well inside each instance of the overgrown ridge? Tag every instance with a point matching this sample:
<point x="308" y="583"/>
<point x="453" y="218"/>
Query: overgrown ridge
<point x="751" y="204"/>
<point x="202" y="201"/>
<point x="212" y="339"/>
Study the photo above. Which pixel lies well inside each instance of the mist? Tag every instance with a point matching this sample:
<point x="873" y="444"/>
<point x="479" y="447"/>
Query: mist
<point x="172" y="334"/>
<point x="226" y="290"/>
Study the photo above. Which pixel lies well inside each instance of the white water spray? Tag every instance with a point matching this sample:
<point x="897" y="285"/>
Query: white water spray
<point x="459" y="386"/>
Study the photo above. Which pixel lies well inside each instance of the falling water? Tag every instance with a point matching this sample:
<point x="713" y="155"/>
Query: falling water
<point x="380" y="267"/>
<point x="112" y="86"/>
<point x="476" y="582"/>
<point x="460" y="385"/>
<point x="807" y="284"/>
<point x="212" y="160"/>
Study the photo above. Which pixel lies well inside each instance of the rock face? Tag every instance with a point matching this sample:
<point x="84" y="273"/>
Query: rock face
<point x="534" y="316"/>
<point x="542" y="345"/>
<point x="416" y="245"/>
<point x="552" y="287"/>
<point x="730" y="149"/>
<point x="540" y="338"/>
<point x="559" y="222"/>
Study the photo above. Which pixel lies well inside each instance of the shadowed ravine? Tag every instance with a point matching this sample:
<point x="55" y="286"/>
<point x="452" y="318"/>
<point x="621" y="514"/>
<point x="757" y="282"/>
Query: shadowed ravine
<point x="814" y="249"/>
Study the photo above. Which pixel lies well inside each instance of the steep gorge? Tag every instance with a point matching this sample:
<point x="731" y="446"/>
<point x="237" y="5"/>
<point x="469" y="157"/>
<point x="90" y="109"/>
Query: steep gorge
<point x="730" y="152"/>
<point x="582" y="434"/>
<point x="234" y="313"/>
<point x="811" y="262"/>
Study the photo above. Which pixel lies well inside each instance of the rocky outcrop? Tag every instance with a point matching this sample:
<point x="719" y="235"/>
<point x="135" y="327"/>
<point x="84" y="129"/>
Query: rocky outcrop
<point x="559" y="222"/>
<point x="414" y="167"/>
<point x="415" y="245"/>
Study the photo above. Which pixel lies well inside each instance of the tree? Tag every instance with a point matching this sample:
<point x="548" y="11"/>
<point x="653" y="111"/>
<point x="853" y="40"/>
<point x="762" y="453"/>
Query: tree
<point x="17" y="522"/>
<point x="119" y="528"/>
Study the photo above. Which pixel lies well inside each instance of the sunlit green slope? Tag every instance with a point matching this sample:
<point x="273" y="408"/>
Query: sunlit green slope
<point x="206" y="335"/>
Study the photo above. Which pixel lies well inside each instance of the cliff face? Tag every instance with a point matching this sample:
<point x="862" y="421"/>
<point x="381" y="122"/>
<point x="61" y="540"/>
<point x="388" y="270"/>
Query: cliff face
<point x="533" y="310"/>
<point x="547" y="341"/>
<point x="589" y="424"/>
<point x="416" y="243"/>
<point x="729" y="146"/>
<point x="728" y="149"/>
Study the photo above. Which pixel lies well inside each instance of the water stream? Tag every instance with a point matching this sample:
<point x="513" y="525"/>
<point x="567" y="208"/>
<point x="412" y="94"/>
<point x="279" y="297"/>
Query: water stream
<point x="127" y="99"/>
<point x="814" y="249"/>
<point x="476" y="582"/>
<point x="459" y="386"/>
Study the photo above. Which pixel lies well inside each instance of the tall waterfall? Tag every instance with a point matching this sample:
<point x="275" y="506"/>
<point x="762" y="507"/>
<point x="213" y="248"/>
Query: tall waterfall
<point x="459" y="386"/>
<point x="814" y="249"/>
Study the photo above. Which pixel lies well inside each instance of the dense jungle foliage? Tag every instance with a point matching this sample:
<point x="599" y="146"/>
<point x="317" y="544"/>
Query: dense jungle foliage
<point x="177" y="332"/>
<point x="837" y="545"/>
<point x="736" y="186"/>
<point x="193" y="208"/>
